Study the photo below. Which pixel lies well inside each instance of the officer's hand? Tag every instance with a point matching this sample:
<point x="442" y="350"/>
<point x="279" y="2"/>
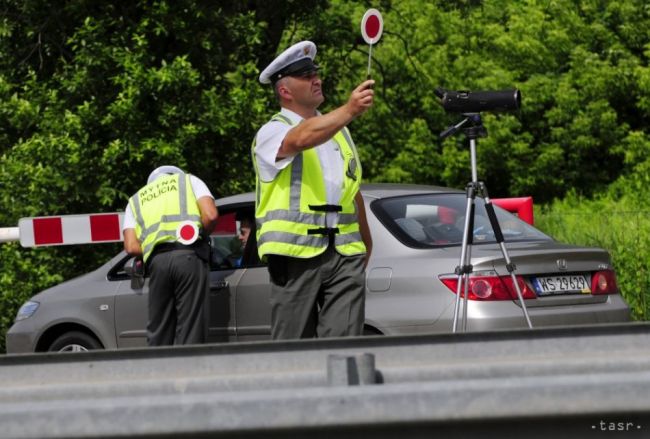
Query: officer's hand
<point x="138" y="267"/>
<point x="361" y="98"/>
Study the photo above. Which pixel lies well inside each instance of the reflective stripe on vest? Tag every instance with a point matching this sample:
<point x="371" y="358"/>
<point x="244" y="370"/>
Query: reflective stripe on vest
<point x="159" y="209"/>
<point x="282" y="205"/>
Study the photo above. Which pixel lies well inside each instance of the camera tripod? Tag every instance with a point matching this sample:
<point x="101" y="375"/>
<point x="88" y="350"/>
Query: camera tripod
<point x="475" y="187"/>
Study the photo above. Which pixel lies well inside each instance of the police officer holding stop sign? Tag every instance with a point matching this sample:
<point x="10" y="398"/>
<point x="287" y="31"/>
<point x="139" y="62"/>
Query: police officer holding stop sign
<point x="310" y="213"/>
<point x="168" y="222"/>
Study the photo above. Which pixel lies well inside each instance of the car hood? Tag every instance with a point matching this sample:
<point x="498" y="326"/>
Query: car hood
<point x="71" y="288"/>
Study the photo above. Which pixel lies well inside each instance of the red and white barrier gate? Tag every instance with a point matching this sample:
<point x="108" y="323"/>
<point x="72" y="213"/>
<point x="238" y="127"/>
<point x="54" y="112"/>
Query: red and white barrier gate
<point x="70" y="229"/>
<point x="107" y="227"/>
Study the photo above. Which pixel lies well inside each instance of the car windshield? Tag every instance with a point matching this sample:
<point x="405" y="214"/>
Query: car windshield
<point x="433" y="220"/>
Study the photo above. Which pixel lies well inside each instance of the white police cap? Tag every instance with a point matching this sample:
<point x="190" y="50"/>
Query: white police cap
<point x="163" y="170"/>
<point x="297" y="59"/>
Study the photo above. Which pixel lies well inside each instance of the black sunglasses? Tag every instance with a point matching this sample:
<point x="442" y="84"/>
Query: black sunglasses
<point x="306" y="75"/>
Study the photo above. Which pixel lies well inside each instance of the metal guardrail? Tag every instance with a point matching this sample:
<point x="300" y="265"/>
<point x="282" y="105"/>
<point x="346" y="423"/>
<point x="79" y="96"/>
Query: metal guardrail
<point x="562" y="382"/>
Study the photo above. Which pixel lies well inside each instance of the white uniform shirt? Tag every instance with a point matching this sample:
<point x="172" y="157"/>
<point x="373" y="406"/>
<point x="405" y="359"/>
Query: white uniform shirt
<point x="268" y="142"/>
<point x="199" y="188"/>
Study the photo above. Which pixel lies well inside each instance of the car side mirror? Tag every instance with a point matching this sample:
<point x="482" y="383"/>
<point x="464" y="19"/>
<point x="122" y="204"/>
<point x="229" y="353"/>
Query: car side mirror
<point x="135" y="268"/>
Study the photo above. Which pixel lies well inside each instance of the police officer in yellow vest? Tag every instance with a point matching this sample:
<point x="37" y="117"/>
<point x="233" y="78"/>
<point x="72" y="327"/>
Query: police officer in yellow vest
<point x="168" y="222"/>
<point x="311" y="219"/>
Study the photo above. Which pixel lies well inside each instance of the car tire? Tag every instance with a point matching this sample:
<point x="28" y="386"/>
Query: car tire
<point x="74" y="341"/>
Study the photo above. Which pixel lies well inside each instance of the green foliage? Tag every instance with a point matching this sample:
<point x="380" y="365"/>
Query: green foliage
<point x="621" y="227"/>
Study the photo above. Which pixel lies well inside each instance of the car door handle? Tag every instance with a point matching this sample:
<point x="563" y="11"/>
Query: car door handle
<point x="220" y="284"/>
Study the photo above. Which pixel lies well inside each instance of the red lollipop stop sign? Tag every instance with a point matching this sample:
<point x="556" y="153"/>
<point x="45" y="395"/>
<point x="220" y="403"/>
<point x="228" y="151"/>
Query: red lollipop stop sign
<point x="187" y="233"/>
<point x="372" y="25"/>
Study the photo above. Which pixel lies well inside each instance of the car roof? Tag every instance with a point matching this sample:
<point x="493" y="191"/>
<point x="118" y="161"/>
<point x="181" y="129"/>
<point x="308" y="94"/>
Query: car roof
<point x="373" y="190"/>
<point x="245" y="198"/>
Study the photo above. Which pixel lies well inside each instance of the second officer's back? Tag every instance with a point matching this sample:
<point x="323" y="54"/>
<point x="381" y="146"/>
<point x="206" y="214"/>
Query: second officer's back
<point x="168" y="222"/>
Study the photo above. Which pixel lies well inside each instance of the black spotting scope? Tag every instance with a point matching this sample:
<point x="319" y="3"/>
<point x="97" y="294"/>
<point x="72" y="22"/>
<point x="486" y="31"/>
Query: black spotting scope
<point x="477" y="101"/>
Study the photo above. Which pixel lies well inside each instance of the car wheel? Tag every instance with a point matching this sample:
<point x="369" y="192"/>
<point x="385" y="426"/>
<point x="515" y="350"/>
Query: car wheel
<point x="74" y="341"/>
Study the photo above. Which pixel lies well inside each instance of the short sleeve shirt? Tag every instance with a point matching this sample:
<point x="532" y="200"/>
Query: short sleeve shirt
<point x="268" y="141"/>
<point x="199" y="188"/>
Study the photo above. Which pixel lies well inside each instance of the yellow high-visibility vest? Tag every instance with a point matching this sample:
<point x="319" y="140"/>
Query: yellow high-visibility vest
<point x="291" y="208"/>
<point x="159" y="209"/>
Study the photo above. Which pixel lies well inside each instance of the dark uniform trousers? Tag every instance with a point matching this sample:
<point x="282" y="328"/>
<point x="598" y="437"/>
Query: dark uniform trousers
<point x="323" y="296"/>
<point x="178" y="290"/>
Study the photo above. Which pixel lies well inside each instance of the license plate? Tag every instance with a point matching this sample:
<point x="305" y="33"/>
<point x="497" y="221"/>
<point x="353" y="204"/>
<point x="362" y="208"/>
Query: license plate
<point x="561" y="284"/>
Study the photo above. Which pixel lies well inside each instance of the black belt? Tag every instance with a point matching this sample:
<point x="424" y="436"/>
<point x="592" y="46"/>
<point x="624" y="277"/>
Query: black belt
<point x="201" y="247"/>
<point x="169" y="246"/>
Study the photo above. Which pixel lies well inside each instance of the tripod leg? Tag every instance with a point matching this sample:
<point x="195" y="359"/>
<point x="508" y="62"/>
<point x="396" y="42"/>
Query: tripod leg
<point x="464" y="267"/>
<point x="468" y="257"/>
<point x="498" y="235"/>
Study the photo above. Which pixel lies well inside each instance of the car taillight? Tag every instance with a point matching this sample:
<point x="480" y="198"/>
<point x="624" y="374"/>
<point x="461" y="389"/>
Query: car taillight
<point x="604" y="282"/>
<point x="489" y="286"/>
<point x="526" y="292"/>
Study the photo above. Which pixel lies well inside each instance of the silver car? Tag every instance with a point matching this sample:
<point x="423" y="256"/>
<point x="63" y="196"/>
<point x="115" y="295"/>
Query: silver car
<point x="411" y="286"/>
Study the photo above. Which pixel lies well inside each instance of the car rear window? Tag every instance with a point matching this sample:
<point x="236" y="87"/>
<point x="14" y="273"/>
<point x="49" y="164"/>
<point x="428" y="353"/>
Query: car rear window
<point x="433" y="220"/>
